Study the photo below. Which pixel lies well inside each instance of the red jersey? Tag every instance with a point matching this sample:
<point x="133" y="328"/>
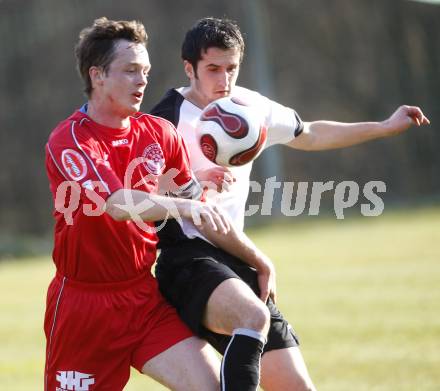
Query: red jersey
<point x="82" y="155"/>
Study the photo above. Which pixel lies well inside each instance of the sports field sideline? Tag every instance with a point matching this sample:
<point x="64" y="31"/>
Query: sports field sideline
<point x="363" y="294"/>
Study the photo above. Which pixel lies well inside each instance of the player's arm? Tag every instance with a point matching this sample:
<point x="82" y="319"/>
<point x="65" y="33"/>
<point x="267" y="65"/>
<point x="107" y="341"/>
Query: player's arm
<point x="217" y="177"/>
<point x="322" y="135"/>
<point x="129" y="204"/>
<point x="237" y="243"/>
<point x="234" y="241"/>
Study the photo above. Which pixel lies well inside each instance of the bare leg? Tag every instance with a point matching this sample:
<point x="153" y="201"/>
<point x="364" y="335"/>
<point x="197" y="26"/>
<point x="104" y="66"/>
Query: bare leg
<point x="234" y="309"/>
<point x="285" y="370"/>
<point x="234" y="305"/>
<point x="190" y="365"/>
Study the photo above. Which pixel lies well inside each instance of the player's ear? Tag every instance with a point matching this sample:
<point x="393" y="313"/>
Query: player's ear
<point x="189" y="69"/>
<point x="96" y="75"/>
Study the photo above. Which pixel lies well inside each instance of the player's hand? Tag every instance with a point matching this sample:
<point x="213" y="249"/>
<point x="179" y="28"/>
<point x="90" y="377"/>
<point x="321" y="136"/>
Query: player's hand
<point x="267" y="280"/>
<point x="403" y="118"/>
<point x="218" y="178"/>
<point x="204" y="215"/>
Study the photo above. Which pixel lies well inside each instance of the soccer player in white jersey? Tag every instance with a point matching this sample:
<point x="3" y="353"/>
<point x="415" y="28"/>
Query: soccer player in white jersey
<point x="215" y="291"/>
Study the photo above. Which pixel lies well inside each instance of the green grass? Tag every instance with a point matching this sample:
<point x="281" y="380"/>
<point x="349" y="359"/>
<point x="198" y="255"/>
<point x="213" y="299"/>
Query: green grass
<point x="363" y="294"/>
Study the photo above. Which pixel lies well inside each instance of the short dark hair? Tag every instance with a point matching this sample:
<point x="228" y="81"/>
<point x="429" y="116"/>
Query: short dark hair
<point x="211" y="32"/>
<point x="96" y="45"/>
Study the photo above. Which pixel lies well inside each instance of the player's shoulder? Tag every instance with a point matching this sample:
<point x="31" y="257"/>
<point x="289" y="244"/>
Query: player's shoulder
<point x="246" y="94"/>
<point x="64" y="129"/>
<point x="169" y="106"/>
<point x="159" y="126"/>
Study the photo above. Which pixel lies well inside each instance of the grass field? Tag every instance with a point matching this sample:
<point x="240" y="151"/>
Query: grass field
<point x="363" y="294"/>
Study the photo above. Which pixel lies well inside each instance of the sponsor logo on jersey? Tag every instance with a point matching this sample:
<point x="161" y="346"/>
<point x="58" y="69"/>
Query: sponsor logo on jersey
<point x="154" y="159"/>
<point x="74" y="381"/>
<point x="74" y="164"/>
<point x="117" y="143"/>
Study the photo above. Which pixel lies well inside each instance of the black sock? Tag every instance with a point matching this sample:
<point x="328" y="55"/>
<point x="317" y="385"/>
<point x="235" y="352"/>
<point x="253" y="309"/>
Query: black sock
<point x="240" y="369"/>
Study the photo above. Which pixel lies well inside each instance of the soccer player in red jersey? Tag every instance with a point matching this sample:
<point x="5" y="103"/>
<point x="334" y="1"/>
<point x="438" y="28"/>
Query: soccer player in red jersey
<point x="104" y="311"/>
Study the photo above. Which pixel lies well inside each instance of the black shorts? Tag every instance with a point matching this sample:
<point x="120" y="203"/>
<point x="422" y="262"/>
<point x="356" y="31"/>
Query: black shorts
<point x="190" y="271"/>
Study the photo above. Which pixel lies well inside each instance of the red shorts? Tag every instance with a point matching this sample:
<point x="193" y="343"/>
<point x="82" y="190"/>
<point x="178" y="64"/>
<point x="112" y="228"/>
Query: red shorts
<point x="95" y="332"/>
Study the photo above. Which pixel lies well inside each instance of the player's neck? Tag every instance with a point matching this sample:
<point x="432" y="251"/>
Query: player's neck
<point x="100" y="113"/>
<point x="191" y="95"/>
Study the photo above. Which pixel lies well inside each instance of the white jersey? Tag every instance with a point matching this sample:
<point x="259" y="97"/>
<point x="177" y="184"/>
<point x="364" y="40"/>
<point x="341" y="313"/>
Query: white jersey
<point x="283" y="124"/>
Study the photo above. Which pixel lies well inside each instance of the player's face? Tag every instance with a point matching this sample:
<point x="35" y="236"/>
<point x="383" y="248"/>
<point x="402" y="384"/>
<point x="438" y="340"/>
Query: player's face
<point x="216" y="75"/>
<point x="121" y="89"/>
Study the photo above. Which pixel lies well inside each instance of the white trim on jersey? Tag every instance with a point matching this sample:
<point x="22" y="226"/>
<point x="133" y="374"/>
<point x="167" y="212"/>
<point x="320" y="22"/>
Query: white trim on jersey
<point x="55" y="162"/>
<point x="88" y="158"/>
<point x="169" y="122"/>
<point x="49" y="350"/>
<point x="84" y="119"/>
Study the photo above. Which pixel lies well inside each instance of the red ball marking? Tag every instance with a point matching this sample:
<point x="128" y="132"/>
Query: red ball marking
<point x="209" y="147"/>
<point x="249" y="154"/>
<point x="233" y="124"/>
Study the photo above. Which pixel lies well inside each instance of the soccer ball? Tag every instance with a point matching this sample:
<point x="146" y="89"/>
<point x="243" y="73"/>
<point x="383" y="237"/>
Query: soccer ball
<point x="231" y="132"/>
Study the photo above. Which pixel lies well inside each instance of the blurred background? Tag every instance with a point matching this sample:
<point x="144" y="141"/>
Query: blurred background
<point x="363" y="293"/>
<point x="346" y="60"/>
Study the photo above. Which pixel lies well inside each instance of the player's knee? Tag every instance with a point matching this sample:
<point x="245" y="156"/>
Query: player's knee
<point x="258" y="318"/>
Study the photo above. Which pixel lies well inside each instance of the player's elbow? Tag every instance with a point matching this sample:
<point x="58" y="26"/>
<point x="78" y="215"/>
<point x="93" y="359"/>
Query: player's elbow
<point x="307" y="140"/>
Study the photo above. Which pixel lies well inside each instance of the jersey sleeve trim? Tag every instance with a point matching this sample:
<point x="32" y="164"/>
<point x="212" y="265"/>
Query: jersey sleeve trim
<point x="284" y="124"/>
<point x="173" y="127"/>
<point x="55" y="162"/>
<point x="72" y="131"/>
<point x="300" y="128"/>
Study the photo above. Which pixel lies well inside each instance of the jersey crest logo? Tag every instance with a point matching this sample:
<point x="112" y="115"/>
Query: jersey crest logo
<point x="74" y="164"/>
<point x="154" y="159"/>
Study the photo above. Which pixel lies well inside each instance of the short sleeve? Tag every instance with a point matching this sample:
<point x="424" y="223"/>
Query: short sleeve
<point x="74" y="156"/>
<point x="283" y="124"/>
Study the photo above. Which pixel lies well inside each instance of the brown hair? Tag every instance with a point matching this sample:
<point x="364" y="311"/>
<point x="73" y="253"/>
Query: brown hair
<point x="96" y="44"/>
